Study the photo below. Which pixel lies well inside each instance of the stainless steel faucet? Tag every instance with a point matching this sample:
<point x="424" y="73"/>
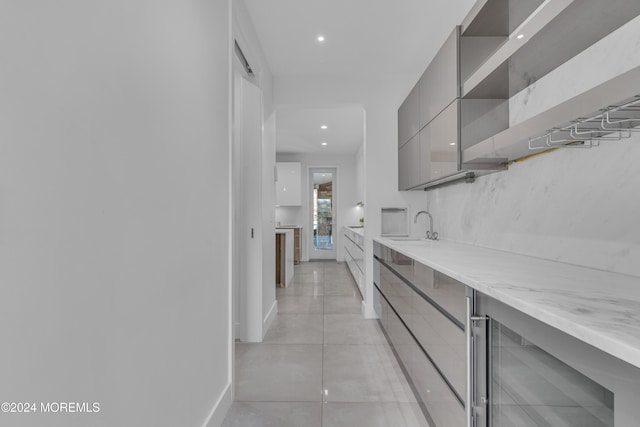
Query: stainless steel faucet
<point x="431" y="235"/>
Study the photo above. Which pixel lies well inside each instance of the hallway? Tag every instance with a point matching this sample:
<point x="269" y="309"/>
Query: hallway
<point x="321" y="363"/>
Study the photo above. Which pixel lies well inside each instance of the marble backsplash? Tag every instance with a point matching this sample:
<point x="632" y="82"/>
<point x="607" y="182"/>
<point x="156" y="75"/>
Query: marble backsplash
<point x="579" y="206"/>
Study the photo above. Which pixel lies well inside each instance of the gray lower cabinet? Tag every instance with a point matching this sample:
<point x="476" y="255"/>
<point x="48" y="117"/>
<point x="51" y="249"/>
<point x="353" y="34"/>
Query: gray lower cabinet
<point x="422" y="313"/>
<point x="522" y="372"/>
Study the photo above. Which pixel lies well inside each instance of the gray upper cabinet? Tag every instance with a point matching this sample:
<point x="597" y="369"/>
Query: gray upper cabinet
<point x="440" y="83"/>
<point x="408" y="116"/>
<point x="439" y="142"/>
<point x="432" y="153"/>
<point x="428" y="122"/>
<point x="409" y="164"/>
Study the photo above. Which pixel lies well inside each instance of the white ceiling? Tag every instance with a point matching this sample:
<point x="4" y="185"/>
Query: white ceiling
<point x="362" y="36"/>
<point x="298" y="130"/>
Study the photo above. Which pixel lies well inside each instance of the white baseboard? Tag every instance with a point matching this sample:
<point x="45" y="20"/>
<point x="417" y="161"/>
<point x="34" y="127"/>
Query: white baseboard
<point x="220" y="409"/>
<point x="268" y="319"/>
<point x="368" y="311"/>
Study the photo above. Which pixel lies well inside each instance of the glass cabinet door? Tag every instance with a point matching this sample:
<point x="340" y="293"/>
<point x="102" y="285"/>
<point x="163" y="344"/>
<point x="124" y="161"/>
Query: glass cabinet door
<point x="530" y="387"/>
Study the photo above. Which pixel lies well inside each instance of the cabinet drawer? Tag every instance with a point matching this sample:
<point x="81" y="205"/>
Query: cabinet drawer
<point x="430" y="326"/>
<point x="441" y="339"/>
<point x="383" y="307"/>
<point x="441" y="403"/>
<point x="354" y="247"/>
<point x="354" y="257"/>
<point x="402" y="341"/>
<point x="397" y="293"/>
<point x="446" y="293"/>
<point x="444" y="342"/>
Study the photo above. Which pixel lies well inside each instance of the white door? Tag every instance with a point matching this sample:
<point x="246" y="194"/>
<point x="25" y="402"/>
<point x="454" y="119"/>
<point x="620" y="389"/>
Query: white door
<point x="323" y="196"/>
<point x="247" y="210"/>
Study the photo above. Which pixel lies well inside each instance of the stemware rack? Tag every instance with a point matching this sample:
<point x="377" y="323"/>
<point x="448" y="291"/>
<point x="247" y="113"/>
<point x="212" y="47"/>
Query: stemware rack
<point x="613" y="123"/>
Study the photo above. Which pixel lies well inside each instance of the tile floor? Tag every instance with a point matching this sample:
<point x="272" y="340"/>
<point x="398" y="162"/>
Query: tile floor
<point x="321" y="363"/>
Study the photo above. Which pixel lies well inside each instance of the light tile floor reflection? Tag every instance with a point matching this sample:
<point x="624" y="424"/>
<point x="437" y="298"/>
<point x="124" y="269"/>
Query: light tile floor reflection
<point x="321" y="363"/>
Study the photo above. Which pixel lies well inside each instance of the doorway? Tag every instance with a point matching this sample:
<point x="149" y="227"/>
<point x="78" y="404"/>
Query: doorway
<point x="323" y="197"/>
<point x="247" y="221"/>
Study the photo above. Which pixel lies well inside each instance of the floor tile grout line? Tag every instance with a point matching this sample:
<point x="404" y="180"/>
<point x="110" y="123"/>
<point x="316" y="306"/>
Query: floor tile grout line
<point x="322" y="282"/>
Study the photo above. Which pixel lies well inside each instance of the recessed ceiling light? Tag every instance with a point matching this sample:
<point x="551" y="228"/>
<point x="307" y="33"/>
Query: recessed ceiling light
<point x="452" y="143"/>
<point x="320" y="39"/>
<point x="323" y="143"/>
<point x="323" y="127"/>
<point x="519" y="36"/>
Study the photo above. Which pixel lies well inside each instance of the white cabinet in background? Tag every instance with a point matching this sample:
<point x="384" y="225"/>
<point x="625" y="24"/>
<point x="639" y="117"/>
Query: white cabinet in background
<point x="288" y="184"/>
<point x="354" y="255"/>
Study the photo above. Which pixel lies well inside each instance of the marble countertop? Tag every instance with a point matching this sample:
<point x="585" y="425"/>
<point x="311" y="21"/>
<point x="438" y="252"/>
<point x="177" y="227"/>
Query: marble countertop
<point x="595" y="306"/>
<point x="356" y="229"/>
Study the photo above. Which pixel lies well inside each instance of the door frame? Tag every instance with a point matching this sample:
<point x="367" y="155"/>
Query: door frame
<point x="247" y="223"/>
<point x="311" y="253"/>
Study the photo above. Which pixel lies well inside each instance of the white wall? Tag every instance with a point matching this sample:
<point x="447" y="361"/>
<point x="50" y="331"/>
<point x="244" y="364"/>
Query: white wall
<point x="360" y="173"/>
<point x="269" y="304"/>
<point x="347" y="213"/>
<point x="114" y="187"/>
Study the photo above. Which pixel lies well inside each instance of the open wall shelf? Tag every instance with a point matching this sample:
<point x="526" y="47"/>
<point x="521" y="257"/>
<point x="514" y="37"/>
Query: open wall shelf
<point x="553" y="33"/>
<point x="506" y="46"/>
<point x="514" y="142"/>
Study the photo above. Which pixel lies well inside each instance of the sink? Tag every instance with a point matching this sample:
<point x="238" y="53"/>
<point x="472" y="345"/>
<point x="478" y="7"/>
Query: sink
<point x="356" y="226"/>
<point x="406" y="239"/>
